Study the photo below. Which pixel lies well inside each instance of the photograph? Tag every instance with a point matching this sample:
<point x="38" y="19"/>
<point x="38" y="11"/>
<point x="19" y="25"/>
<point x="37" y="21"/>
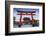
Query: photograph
<point x="24" y="17"/>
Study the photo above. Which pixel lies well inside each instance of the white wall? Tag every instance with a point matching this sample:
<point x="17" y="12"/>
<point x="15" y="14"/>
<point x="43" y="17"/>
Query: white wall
<point x="2" y="18"/>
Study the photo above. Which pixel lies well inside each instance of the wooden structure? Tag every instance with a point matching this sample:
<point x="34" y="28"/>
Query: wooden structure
<point x="25" y="12"/>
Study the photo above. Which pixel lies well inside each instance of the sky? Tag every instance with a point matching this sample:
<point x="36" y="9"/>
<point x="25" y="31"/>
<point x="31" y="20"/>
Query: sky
<point x="26" y="9"/>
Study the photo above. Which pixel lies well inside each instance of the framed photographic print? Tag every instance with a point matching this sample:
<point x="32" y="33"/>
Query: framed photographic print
<point x="24" y="17"/>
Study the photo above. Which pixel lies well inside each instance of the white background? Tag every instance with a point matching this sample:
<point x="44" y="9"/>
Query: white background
<point x="2" y="18"/>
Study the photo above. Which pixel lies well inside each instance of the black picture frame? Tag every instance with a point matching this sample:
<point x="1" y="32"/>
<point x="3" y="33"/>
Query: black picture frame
<point x="7" y="3"/>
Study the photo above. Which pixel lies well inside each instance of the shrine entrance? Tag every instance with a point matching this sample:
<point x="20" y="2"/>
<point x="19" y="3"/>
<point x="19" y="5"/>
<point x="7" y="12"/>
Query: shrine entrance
<point x="30" y="13"/>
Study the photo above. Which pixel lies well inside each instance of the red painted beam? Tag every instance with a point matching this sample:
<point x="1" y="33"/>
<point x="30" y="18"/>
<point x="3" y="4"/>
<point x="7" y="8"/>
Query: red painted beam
<point x="25" y="14"/>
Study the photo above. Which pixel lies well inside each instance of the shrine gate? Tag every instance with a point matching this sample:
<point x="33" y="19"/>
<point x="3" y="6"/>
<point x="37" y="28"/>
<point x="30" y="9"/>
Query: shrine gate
<point x="25" y="12"/>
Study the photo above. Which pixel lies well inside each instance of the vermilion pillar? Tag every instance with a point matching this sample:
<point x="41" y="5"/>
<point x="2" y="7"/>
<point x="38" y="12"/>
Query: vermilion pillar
<point x="20" y="23"/>
<point x="32" y="18"/>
